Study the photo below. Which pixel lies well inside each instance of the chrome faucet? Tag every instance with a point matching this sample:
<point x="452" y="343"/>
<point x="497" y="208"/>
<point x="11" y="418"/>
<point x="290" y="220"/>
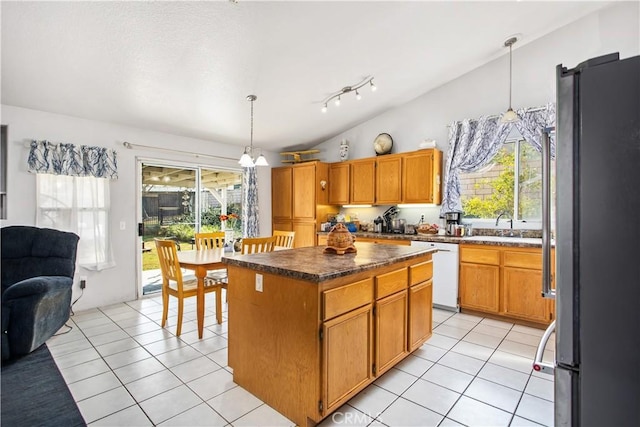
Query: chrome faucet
<point x="498" y="219"/>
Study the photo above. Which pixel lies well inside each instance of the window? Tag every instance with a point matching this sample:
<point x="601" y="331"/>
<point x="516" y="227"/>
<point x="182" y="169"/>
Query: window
<point x="79" y="205"/>
<point x="497" y="188"/>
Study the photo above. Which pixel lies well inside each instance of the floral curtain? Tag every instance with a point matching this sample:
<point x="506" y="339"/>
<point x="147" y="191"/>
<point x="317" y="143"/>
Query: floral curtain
<point x="72" y="160"/>
<point x="474" y="143"/>
<point x="250" y="226"/>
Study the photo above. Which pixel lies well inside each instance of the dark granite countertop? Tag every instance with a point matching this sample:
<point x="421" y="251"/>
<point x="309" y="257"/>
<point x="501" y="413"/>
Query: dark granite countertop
<point x="312" y="265"/>
<point x="519" y="242"/>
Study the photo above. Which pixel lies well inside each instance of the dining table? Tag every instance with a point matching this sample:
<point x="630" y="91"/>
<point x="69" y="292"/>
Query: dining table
<point x="201" y="261"/>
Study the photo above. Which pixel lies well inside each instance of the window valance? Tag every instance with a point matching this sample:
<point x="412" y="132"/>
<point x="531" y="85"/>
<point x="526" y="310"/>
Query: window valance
<point x="72" y="160"/>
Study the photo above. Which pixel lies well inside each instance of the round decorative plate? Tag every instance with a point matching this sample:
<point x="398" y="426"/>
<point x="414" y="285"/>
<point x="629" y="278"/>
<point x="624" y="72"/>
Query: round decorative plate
<point x="383" y="144"/>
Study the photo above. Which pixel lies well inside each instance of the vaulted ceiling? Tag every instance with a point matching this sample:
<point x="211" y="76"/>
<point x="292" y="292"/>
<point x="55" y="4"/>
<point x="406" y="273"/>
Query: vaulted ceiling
<point x="186" y="67"/>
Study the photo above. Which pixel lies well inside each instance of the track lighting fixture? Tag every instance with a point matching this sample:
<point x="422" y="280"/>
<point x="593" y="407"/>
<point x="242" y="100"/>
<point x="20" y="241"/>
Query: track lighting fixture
<point x="354" y="88"/>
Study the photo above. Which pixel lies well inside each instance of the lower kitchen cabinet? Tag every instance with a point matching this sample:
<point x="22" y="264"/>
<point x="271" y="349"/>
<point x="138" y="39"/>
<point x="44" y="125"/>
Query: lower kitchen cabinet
<point x="390" y="331"/>
<point x="504" y="281"/>
<point x="521" y="295"/>
<point x="420" y="314"/>
<point x="479" y="287"/>
<point x="348" y="342"/>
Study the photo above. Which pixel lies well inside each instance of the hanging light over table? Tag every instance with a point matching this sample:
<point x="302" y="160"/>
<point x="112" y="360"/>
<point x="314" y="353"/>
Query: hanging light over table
<point x="247" y="158"/>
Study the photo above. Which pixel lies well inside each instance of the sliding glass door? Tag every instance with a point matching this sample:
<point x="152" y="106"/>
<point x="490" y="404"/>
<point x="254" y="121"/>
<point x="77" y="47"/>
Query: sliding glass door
<point x="179" y="201"/>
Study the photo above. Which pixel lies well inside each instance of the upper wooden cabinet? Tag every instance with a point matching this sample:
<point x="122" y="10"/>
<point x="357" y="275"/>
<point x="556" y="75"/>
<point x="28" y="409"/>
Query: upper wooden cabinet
<point x="413" y="177"/>
<point x="300" y="200"/>
<point x="304" y="191"/>
<point x="362" y="182"/>
<point x="281" y="192"/>
<point x="339" y="183"/>
<point x="389" y="179"/>
<point x="421" y="171"/>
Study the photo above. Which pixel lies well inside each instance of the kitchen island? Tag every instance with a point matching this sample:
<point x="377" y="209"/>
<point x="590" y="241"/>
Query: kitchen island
<point x="307" y="330"/>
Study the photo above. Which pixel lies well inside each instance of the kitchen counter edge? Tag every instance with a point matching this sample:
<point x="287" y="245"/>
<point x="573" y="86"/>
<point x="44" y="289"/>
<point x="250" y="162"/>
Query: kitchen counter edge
<point x="518" y="242"/>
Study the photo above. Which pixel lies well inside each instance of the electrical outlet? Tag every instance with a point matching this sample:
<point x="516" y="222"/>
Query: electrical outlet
<point x="259" y="282"/>
<point x="123" y="225"/>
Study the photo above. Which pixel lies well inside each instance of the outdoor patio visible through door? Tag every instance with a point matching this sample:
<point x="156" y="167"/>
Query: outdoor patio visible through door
<point x="177" y="202"/>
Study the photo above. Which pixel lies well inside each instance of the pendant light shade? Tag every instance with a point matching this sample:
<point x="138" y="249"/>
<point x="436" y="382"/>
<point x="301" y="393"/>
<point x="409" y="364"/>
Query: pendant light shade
<point x="510" y="116"/>
<point x="247" y="158"/>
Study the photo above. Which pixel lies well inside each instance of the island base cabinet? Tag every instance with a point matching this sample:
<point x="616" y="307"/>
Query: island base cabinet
<point x="420" y="314"/>
<point x="347" y="356"/>
<point x="391" y="331"/>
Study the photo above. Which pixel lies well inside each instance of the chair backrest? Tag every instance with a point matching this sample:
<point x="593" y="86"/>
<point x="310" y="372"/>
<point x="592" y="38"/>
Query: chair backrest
<point x="255" y="245"/>
<point x="32" y="251"/>
<point x="169" y="264"/>
<point x="284" y="238"/>
<point x="211" y="240"/>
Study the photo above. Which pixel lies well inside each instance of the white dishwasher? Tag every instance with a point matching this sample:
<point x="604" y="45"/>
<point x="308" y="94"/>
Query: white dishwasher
<point x="445" y="274"/>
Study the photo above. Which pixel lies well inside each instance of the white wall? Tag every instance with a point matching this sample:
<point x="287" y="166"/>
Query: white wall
<point x="117" y="284"/>
<point x="484" y="91"/>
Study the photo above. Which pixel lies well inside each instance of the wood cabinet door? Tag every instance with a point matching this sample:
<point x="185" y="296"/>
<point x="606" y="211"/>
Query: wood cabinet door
<point x="420" y="313"/>
<point x="304" y="191"/>
<point x="521" y="296"/>
<point x="339" y="183"/>
<point x="390" y="331"/>
<point x="363" y="182"/>
<point x="479" y="287"/>
<point x="346" y="356"/>
<point x="305" y="234"/>
<point x="388" y="180"/>
<point x="282" y="225"/>
<point x="281" y="192"/>
<point x="417" y="177"/>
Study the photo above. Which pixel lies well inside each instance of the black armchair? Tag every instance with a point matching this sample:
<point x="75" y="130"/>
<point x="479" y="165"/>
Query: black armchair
<point x="37" y="278"/>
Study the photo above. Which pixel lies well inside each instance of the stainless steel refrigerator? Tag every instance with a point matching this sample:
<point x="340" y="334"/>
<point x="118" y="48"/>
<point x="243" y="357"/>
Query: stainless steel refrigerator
<point x="597" y="368"/>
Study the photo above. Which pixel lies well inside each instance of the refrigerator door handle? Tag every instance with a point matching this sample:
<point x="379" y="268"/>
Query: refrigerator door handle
<point x="538" y="364"/>
<point x="547" y="292"/>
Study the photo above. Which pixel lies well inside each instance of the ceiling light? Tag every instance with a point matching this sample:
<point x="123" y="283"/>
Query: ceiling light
<point x="373" y="87"/>
<point x="166" y="179"/>
<point x="246" y="160"/>
<point x="510" y="116"/>
<point x="347" y="89"/>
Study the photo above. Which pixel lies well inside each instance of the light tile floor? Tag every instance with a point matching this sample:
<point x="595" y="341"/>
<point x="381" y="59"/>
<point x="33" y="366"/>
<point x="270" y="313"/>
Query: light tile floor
<point x="124" y="370"/>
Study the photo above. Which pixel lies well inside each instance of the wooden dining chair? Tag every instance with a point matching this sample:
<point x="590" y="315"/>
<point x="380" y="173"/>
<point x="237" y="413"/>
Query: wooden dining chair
<point x="254" y="245"/>
<point x="284" y="238"/>
<point x="214" y="239"/>
<point x="173" y="283"/>
<point x="211" y="240"/>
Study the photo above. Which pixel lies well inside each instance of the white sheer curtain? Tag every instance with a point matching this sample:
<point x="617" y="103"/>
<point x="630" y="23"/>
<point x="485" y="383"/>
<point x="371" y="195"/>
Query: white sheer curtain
<point x="79" y="205"/>
<point x="73" y="195"/>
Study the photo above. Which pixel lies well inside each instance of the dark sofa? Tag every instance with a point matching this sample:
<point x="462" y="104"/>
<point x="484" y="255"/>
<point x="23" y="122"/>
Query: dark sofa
<point x="37" y="278"/>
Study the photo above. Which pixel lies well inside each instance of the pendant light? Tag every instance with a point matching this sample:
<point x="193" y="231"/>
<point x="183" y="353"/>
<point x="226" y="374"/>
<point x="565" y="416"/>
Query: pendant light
<point x="510" y="116"/>
<point x="246" y="160"/>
